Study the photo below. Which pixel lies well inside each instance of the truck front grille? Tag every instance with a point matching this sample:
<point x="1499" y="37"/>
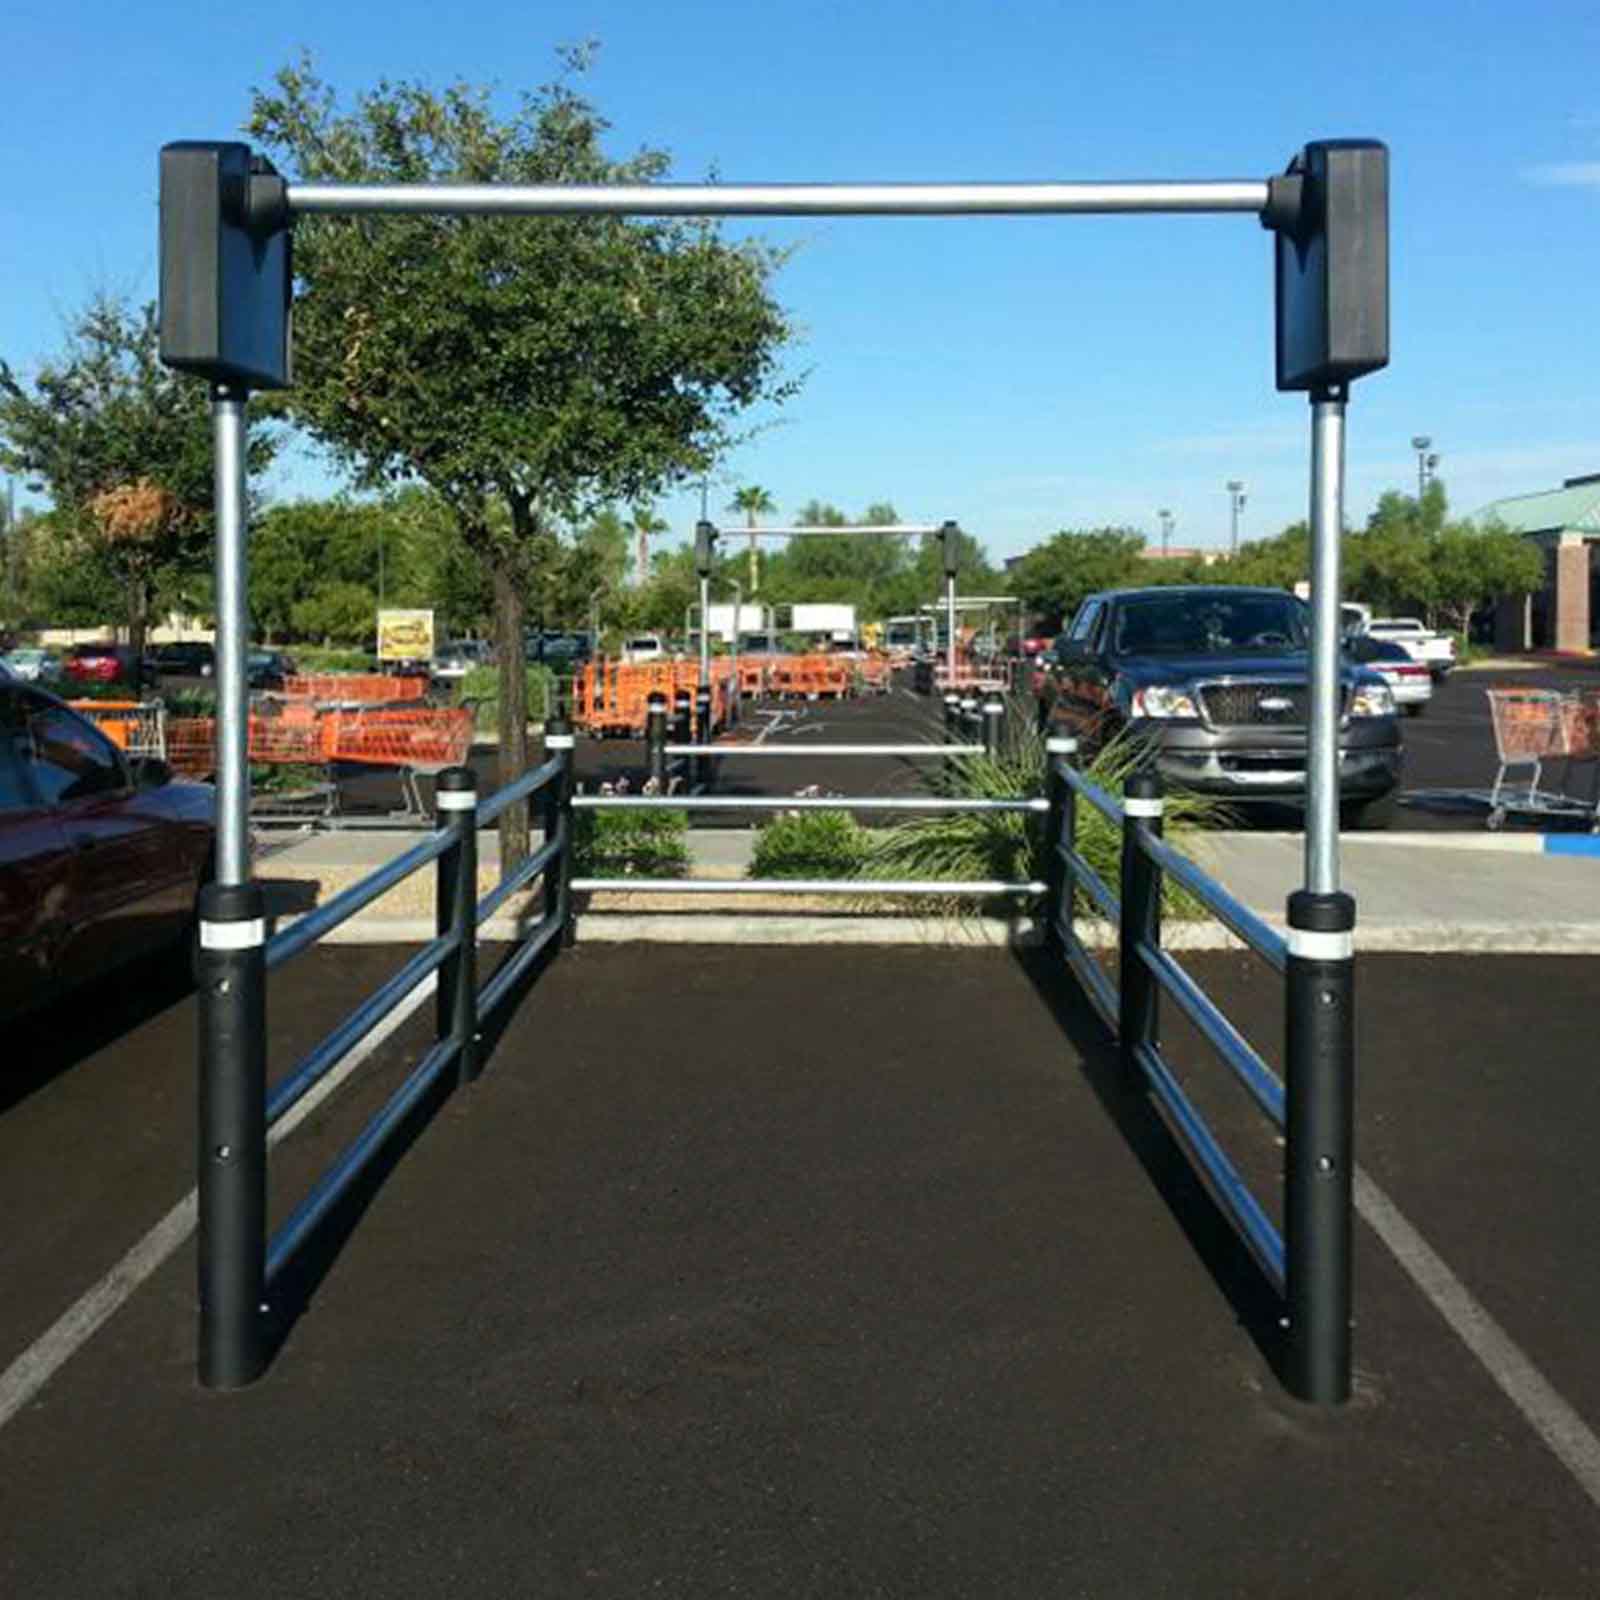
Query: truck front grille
<point x="1234" y="705"/>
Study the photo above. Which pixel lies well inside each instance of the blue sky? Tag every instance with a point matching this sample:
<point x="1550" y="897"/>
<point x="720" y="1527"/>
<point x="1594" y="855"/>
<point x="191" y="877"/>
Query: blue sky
<point x="1021" y="375"/>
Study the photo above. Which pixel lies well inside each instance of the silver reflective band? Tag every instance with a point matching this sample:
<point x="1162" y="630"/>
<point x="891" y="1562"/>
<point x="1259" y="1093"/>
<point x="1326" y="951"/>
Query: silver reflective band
<point x="1142" y="808"/>
<point x="233" y="935"/>
<point x="1061" y="747"/>
<point x="994" y="705"/>
<point x="1320" y="946"/>
<point x="558" y="741"/>
<point x="455" y="799"/>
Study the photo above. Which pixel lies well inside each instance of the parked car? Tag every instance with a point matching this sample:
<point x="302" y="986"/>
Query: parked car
<point x="267" y="669"/>
<point x="1410" y="682"/>
<point x="109" y="663"/>
<point x="455" y="660"/>
<point x="187" y="659"/>
<point x="100" y="857"/>
<point x="32" y="665"/>
<point x="1436" y="651"/>
<point x="644" y="647"/>
<point x="1216" y="680"/>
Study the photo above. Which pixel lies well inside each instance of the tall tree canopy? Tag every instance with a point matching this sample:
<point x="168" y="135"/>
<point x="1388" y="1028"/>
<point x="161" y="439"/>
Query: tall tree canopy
<point x="547" y="364"/>
<point x="122" y="445"/>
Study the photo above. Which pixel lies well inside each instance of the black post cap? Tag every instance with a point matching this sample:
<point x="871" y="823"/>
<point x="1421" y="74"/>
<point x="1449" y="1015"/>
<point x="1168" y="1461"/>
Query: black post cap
<point x="1321" y="913"/>
<point x="456" y="780"/>
<point x="232" y="902"/>
<point x="1145" y="784"/>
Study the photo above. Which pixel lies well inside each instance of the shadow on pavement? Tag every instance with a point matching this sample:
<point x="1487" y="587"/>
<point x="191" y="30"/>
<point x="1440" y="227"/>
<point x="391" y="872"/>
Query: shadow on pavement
<point x="1173" y="1177"/>
<point x="297" y="1285"/>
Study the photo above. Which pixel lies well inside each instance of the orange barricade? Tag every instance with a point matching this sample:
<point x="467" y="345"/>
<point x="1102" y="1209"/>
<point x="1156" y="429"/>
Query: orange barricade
<point x="136" y="726"/>
<point x="370" y="688"/>
<point x="424" y="739"/>
<point x="613" y="697"/>
<point x="192" y="746"/>
<point x="875" y="674"/>
<point x="813" y="677"/>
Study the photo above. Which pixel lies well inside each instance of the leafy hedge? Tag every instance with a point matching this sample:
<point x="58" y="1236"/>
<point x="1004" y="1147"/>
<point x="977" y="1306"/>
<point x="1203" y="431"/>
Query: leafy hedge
<point x="482" y="685"/>
<point x="810" y="844"/>
<point x="630" y="844"/>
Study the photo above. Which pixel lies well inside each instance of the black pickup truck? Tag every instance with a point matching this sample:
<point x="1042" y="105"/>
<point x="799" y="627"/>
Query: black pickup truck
<point x="1216" y="679"/>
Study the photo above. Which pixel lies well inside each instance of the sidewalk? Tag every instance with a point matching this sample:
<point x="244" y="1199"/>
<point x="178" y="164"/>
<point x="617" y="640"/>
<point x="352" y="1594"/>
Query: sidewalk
<point x="1427" y="892"/>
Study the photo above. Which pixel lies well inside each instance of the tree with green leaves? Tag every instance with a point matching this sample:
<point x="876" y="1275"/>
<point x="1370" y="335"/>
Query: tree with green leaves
<point x="541" y="364"/>
<point x="1054" y="577"/>
<point x="122" y="445"/>
<point x="754" y="502"/>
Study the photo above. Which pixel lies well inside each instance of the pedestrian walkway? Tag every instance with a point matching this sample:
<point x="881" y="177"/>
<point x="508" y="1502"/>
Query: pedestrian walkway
<point x="830" y="1273"/>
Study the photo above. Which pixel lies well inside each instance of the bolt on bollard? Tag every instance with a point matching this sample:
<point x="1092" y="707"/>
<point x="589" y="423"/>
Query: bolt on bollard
<point x="994" y="717"/>
<point x="232" y="1245"/>
<point x="1319" y="1155"/>
<point x="455" y="806"/>
<point x="655" y="738"/>
<point x="558" y="825"/>
<point x="1138" y="1018"/>
<point x="1061" y="833"/>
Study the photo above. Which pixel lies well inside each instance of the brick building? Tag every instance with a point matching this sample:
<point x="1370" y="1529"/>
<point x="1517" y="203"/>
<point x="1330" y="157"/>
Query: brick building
<point x="1565" y="523"/>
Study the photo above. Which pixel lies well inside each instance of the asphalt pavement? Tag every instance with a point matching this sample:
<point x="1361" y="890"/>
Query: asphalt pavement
<point x="826" y="1273"/>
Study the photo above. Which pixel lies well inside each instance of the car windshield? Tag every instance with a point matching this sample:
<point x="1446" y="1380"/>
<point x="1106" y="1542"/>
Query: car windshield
<point x="1211" y="624"/>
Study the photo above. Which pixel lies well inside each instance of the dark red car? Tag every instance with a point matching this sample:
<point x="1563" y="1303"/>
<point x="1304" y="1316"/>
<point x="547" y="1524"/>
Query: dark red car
<point x="108" y="663"/>
<point x="100" y="858"/>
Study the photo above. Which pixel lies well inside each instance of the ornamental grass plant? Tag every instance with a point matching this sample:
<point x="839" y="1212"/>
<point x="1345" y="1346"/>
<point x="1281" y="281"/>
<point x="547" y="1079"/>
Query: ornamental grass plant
<point x="1013" y="845"/>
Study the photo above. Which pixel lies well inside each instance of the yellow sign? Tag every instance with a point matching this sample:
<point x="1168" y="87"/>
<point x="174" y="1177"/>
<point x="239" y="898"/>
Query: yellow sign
<point x="405" y="635"/>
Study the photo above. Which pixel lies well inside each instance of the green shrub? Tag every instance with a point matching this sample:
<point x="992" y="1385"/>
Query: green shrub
<point x="325" y="658"/>
<point x="482" y="686"/>
<point x="189" y="702"/>
<point x="646" y="843"/>
<point x="810" y="844"/>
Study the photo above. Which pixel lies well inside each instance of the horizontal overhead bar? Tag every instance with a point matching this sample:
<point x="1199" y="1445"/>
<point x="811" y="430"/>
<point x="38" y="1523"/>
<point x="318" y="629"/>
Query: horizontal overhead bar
<point x="777" y="199"/>
<point x="903" y="529"/>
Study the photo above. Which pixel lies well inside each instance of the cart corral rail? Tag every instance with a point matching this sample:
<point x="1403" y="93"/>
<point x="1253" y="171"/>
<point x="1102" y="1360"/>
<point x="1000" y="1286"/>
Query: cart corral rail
<point x="225" y="316"/>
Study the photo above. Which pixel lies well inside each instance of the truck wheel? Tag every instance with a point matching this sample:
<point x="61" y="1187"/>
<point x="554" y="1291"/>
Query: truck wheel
<point x="1372" y="816"/>
<point x="1415" y="709"/>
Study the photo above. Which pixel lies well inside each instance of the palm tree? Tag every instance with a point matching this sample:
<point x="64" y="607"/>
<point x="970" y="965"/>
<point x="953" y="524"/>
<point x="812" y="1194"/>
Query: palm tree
<point x="646" y="525"/>
<point x="754" y="502"/>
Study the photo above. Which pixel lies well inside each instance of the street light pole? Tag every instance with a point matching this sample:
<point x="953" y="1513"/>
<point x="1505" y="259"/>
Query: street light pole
<point x="1236" y="499"/>
<point x="1165" y="517"/>
<point x="1422" y="444"/>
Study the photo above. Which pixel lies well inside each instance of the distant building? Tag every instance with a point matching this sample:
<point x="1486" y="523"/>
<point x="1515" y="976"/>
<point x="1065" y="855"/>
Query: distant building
<point x="1204" y="554"/>
<point x="1565" y="523"/>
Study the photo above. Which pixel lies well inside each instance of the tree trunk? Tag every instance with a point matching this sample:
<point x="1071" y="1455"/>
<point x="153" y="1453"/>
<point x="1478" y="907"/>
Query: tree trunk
<point x="138" y="623"/>
<point x="508" y="649"/>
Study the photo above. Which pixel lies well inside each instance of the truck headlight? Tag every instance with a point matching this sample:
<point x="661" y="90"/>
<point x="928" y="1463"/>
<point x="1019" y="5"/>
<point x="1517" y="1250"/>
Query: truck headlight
<point x="1161" y="701"/>
<point x="1372" y="700"/>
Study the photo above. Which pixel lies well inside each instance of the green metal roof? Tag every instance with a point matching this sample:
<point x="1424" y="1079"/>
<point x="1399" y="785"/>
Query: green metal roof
<point x="1577" y="508"/>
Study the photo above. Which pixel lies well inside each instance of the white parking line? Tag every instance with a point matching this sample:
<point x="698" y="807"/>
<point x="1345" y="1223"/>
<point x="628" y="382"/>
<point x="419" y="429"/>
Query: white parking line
<point x="35" y="1367"/>
<point x="1568" y="1436"/>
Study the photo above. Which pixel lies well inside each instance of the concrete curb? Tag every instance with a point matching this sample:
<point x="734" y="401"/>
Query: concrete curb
<point x="712" y="928"/>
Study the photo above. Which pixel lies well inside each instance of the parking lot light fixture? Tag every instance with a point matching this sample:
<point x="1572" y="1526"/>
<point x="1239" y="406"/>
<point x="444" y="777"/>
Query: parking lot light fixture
<point x="1236" y="501"/>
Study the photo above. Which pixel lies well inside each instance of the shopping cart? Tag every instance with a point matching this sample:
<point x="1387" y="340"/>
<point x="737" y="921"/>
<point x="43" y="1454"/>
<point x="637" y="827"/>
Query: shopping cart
<point x="1531" y="728"/>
